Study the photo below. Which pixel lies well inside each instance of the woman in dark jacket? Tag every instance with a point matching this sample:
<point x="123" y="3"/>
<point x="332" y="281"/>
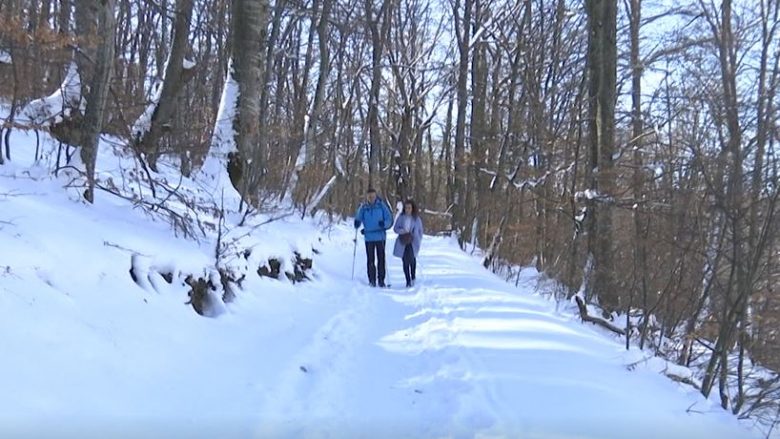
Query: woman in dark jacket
<point x="409" y="228"/>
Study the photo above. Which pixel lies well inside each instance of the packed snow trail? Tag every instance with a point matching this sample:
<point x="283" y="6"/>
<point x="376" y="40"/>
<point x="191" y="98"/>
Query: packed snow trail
<point x="87" y="352"/>
<point x="461" y="355"/>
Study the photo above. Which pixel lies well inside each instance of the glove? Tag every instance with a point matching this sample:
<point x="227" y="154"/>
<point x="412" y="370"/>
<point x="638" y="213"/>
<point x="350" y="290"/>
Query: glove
<point x="382" y="223"/>
<point x="363" y="232"/>
<point x="357" y="223"/>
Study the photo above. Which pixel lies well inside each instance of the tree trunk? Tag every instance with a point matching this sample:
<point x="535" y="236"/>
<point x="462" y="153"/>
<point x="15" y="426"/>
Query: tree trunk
<point x="378" y="38"/>
<point x="309" y="125"/>
<point x="637" y="128"/>
<point x="271" y="48"/>
<point x="63" y="18"/>
<point x="175" y="77"/>
<point x="95" y="28"/>
<point x="474" y="207"/>
<point x="249" y="32"/>
<point x="448" y="161"/>
<point x="462" y="28"/>
<point x="602" y="68"/>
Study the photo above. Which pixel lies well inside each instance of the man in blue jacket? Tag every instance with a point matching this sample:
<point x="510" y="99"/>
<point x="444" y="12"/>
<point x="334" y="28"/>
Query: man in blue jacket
<point x="376" y="218"/>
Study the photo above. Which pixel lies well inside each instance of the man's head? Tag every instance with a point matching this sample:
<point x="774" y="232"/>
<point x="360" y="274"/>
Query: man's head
<point x="371" y="195"/>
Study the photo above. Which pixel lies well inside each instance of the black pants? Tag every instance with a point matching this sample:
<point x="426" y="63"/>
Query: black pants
<point x="410" y="264"/>
<point x="375" y="250"/>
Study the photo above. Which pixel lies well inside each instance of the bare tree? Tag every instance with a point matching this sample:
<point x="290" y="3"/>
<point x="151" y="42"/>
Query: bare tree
<point x="164" y="101"/>
<point x="249" y="32"/>
<point x="307" y="116"/>
<point x="378" y="23"/>
<point x="95" y="27"/>
<point x="462" y="25"/>
<point x="602" y="86"/>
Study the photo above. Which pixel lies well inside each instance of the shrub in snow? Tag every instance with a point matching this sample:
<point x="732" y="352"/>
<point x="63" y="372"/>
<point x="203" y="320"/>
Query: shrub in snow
<point x="272" y="270"/>
<point x="300" y="267"/>
<point x="203" y="297"/>
<point x="228" y="279"/>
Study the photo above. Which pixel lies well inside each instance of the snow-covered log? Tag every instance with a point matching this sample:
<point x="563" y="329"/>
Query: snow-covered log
<point x="58" y="106"/>
<point x="596" y="320"/>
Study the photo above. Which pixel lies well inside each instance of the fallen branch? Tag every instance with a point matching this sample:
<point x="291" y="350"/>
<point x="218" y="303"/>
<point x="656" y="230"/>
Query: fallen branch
<point x="117" y="246"/>
<point x="321" y="194"/>
<point x="633" y="366"/>
<point x="596" y="320"/>
<point x="691" y="410"/>
<point x="435" y="213"/>
<point x="683" y="380"/>
<point x="178" y="221"/>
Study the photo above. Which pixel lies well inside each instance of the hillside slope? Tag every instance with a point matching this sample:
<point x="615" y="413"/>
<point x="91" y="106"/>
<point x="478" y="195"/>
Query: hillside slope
<point x="90" y="352"/>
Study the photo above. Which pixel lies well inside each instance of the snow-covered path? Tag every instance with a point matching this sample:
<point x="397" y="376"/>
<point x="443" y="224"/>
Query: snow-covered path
<point x="86" y="352"/>
<point x="464" y="354"/>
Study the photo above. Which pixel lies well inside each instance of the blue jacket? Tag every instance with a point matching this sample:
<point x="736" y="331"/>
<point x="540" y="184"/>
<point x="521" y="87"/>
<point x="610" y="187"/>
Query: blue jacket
<point x="376" y="219"/>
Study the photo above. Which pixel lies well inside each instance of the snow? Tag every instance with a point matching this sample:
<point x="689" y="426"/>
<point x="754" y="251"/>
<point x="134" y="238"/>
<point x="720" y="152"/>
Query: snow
<point x="223" y="139"/>
<point x="588" y="194"/>
<point x="5" y="57"/>
<point x="340" y="166"/>
<point x="581" y="215"/>
<point x="321" y="194"/>
<point x="463" y="354"/>
<point x="44" y="111"/>
<point x="144" y="122"/>
<point x="213" y="173"/>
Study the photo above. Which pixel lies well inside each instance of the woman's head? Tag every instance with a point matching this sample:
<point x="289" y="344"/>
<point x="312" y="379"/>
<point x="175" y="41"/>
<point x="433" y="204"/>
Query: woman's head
<point x="410" y="207"/>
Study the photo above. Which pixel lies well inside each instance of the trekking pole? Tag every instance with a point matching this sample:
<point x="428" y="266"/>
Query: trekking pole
<point x="354" y="254"/>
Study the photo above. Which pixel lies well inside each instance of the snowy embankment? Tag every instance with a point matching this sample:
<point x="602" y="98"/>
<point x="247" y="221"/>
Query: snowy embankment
<point x="89" y="352"/>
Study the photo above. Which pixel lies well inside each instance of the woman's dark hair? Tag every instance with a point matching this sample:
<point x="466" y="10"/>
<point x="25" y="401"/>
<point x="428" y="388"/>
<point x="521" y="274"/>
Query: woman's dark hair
<point x="415" y="212"/>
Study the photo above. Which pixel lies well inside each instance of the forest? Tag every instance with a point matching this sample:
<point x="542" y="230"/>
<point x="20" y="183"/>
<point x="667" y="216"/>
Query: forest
<point x="627" y="149"/>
